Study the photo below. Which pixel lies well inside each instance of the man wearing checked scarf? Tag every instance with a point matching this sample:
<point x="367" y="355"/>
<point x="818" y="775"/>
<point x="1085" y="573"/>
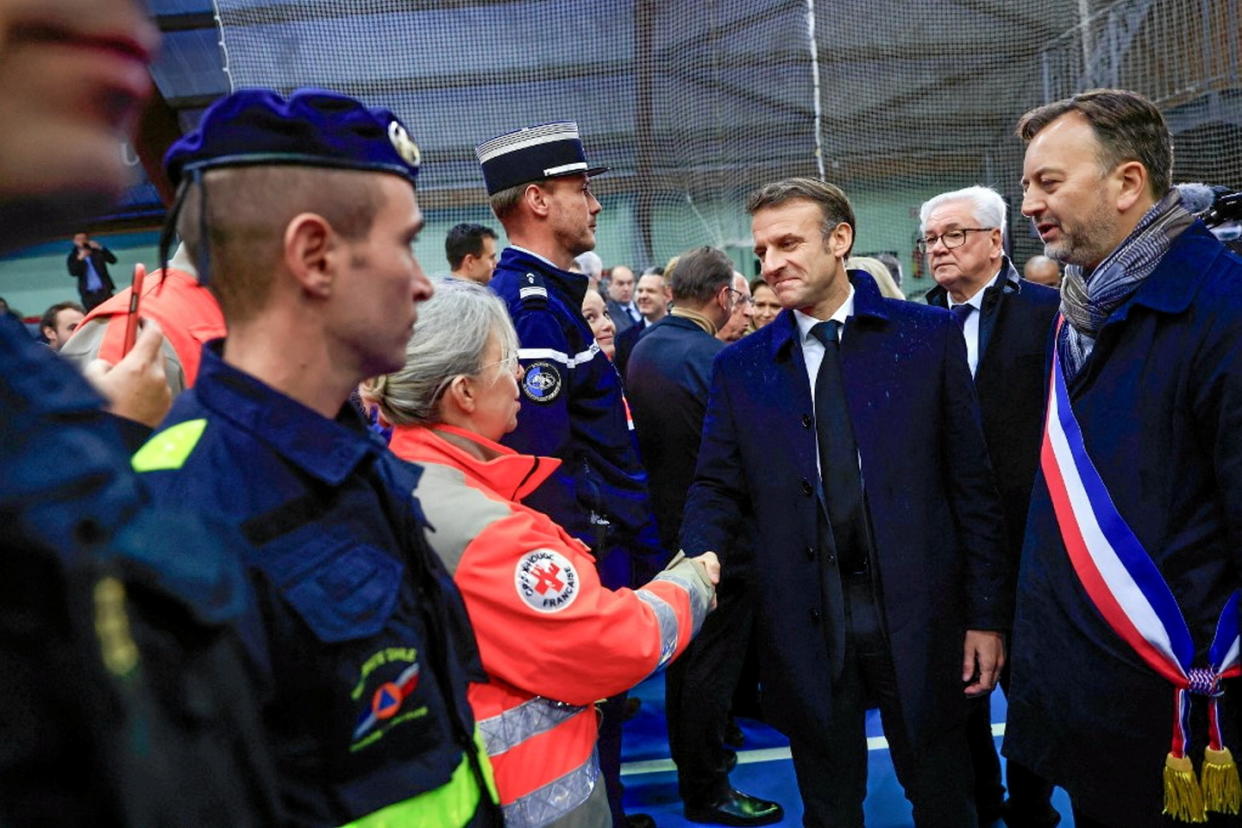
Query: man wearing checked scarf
<point x="1126" y="632"/>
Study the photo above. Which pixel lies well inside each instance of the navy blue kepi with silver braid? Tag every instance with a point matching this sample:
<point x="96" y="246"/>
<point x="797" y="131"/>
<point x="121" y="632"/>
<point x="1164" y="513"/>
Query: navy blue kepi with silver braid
<point x="533" y="154"/>
<point x="314" y="128"/>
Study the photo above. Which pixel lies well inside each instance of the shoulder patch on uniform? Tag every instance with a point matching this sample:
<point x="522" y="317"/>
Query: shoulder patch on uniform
<point x="169" y="449"/>
<point x="531" y="290"/>
<point x="542" y="382"/>
<point x="546" y="581"/>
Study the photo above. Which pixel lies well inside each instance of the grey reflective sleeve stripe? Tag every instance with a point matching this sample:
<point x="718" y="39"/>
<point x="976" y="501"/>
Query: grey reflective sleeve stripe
<point x="687" y="575"/>
<point x="667" y="620"/>
<point x="517" y="724"/>
<point x="555" y="799"/>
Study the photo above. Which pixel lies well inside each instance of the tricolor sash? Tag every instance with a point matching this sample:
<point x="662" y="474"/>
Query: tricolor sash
<point x="1132" y="596"/>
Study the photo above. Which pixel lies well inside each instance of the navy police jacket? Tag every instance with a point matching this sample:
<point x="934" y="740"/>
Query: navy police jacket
<point x="368" y="640"/>
<point x="573" y="409"/>
<point x="128" y="695"/>
<point x="1159" y="403"/>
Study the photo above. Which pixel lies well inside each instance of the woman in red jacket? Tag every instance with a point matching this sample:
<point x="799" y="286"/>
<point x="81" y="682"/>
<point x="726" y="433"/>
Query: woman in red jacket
<point x="552" y="638"/>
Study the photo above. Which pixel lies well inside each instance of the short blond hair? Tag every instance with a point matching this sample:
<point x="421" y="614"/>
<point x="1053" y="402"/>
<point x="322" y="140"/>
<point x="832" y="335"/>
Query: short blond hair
<point x="248" y="209"/>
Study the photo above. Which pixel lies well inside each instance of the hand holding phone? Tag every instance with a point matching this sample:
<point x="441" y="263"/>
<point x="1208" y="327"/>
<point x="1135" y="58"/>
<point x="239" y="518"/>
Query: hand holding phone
<point x="131" y="320"/>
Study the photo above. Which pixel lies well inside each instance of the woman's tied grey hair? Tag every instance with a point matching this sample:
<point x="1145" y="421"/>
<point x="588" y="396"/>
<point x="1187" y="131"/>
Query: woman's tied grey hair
<point x="450" y="337"/>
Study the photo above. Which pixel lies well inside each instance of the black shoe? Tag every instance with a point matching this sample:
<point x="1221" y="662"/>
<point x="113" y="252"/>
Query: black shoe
<point x="640" y="821"/>
<point x="736" y="808"/>
<point x="733" y="735"/>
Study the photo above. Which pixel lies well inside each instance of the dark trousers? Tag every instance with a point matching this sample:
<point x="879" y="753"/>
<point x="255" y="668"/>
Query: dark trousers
<point x="832" y="766"/>
<point x="612" y="714"/>
<point x="93" y="298"/>
<point x="698" y="692"/>
<point x="1030" y="796"/>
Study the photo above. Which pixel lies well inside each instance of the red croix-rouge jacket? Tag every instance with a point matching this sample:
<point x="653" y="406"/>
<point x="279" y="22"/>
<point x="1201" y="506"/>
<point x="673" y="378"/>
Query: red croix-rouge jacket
<point x="553" y="640"/>
<point x="185" y="310"/>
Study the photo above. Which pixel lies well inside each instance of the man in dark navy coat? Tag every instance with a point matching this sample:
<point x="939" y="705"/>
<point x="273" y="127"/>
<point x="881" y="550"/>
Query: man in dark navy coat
<point x="1153" y="373"/>
<point x="669" y="376"/>
<point x="879" y="568"/>
<point x="1007" y="323"/>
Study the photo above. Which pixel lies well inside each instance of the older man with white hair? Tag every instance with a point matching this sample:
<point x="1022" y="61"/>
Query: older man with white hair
<point x="1006" y="322"/>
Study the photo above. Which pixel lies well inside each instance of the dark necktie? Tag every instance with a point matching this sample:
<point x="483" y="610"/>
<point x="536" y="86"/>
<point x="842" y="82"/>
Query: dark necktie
<point x="838" y="455"/>
<point x="962" y="312"/>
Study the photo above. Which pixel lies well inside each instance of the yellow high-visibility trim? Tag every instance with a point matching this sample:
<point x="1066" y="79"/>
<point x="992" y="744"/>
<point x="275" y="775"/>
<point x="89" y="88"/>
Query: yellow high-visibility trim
<point x="451" y="804"/>
<point x="169" y="449"/>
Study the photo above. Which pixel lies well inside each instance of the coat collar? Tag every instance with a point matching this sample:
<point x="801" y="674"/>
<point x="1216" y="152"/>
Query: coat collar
<point x="869" y="309"/>
<point x="1010" y="281"/>
<point x="572" y="285"/>
<point x="328" y="450"/>
<point x="1173" y="284"/>
<point x="506" y="472"/>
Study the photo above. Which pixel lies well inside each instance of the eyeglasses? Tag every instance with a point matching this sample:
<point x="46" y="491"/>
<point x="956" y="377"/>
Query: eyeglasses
<point x="739" y="298"/>
<point x="951" y="239"/>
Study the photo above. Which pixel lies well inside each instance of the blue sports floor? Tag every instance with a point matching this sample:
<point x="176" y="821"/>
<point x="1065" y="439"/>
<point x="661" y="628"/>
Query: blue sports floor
<point x="764" y="768"/>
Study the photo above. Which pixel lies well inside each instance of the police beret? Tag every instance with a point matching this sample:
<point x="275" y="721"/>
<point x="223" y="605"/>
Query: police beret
<point x="314" y="127"/>
<point x="533" y="154"/>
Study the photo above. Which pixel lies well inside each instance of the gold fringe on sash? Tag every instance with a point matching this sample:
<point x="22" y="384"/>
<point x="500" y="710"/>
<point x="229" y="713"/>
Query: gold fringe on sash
<point x="1183" y="798"/>
<point x="1222" y="790"/>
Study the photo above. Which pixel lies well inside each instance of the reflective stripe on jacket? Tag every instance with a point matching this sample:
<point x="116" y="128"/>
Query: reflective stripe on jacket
<point x="553" y="640"/>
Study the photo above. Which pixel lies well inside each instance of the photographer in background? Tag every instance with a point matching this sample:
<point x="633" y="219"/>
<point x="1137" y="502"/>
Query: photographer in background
<point x="88" y="263"/>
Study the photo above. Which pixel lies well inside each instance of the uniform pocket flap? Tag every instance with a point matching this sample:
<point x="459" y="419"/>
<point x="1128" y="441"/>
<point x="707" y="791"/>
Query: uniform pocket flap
<point x="350" y="594"/>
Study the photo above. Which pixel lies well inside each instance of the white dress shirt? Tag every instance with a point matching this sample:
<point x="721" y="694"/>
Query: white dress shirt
<point x="971" y="329"/>
<point x="812" y="348"/>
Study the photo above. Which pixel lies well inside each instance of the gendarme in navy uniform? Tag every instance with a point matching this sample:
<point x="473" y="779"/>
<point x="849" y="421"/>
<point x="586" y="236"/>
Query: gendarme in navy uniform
<point x="370" y="648"/>
<point x="572" y="406"/>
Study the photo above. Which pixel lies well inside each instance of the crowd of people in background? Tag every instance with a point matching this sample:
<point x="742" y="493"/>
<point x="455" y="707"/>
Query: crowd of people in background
<point x="328" y="542"/>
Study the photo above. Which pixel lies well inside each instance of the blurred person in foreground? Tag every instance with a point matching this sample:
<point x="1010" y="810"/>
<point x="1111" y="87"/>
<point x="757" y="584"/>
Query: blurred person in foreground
<point x="1007" y="324"/>
<point x="879" y="575"/>
<point x="669" y="376"/>
<point x="1126" y="616"/>
<point x="128" y="695"/>
<point x="553" y="639"/>
<point x="301" y="215"/>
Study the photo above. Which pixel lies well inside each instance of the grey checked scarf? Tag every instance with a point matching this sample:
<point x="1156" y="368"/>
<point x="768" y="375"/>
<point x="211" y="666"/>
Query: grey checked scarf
<point x="1086" y="302"/>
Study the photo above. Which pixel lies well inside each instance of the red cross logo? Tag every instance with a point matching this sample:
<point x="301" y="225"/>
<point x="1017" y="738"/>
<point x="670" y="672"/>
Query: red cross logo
<point x="547" y="578"/>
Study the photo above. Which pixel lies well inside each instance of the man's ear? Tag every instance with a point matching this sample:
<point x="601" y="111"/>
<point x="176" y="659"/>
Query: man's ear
<point x="1131" y="180"/>
<point x="840" y="240"/>
<point x="537" y="200"/>
<point x="311" y="248"/>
